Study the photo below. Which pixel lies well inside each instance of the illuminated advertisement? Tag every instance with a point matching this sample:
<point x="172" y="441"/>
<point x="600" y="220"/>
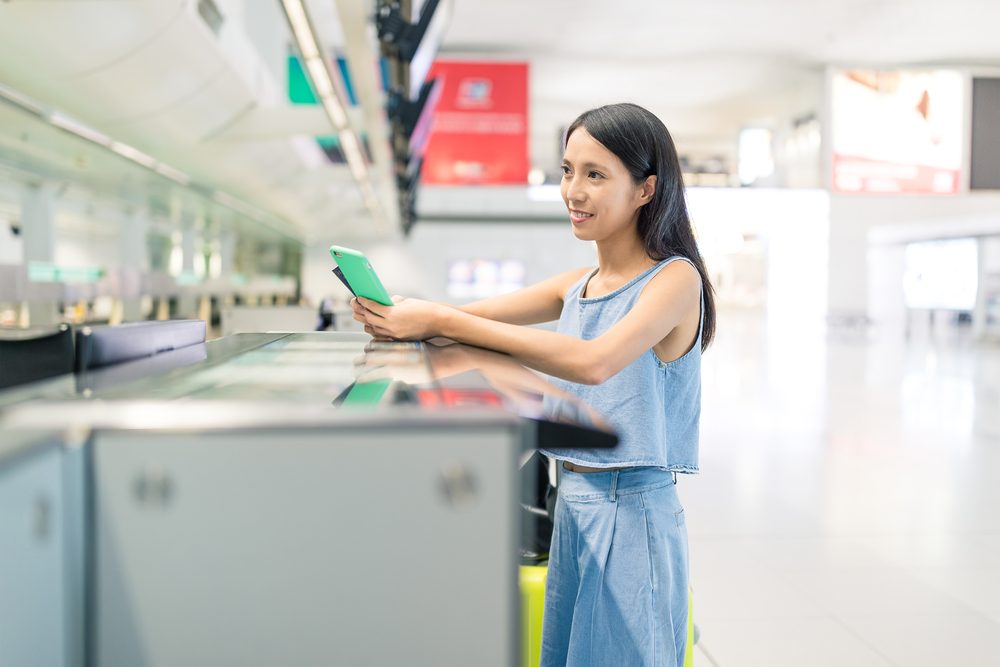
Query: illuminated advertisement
<point x="897" y="132"/>
<point x="479" y="134"/>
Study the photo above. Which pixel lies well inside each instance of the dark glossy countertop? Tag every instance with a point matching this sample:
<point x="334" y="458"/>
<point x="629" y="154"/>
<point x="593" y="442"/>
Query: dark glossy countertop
<point x="332" y="377"/>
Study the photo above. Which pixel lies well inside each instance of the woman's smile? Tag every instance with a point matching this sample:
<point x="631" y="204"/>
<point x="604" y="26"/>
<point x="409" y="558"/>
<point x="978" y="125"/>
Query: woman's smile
<point x="579" y="217"/>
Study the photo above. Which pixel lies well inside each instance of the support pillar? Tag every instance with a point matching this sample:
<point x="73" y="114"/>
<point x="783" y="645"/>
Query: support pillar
<point x="134" y="261"/>
<point x="38" y="229"/>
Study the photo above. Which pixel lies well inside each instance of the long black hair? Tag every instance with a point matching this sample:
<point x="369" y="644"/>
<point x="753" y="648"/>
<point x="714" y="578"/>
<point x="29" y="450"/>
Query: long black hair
<point x="641" y="141"/>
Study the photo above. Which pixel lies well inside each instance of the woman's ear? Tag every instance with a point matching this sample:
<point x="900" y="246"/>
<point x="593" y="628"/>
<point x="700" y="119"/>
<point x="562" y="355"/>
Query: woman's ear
<point x="648" y="189"/>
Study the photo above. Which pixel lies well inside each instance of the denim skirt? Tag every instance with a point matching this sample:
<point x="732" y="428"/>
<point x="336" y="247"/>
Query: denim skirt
<point x="617" y="586"/>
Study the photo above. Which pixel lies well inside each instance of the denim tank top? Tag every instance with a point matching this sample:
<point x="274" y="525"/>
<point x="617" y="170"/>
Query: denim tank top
<point x="654" y="406"/>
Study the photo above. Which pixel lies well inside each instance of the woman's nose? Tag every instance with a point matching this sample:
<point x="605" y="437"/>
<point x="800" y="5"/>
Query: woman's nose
<point x="574" y="190"/>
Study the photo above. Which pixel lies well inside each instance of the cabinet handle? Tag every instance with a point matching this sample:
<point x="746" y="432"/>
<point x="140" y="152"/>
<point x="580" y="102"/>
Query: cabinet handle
<point x="41" y="519"/>
<point x="153" y="487"/>
<point x="457" y="484"/>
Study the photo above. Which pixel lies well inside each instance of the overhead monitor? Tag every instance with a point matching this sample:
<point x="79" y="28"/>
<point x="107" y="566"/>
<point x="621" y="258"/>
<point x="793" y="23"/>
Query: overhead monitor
<point x="430" y="42"/>
<point x="413" y="42"/>
<point x="430" y="93"/>
<point x="897" y="131"/>
<point x="411" y="130"/>
<point x="412" y="119"/>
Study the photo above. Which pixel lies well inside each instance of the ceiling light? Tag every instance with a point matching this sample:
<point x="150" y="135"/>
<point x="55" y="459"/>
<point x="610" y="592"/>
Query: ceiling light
<point x="64" y="122"/>
<point x="68" y="124"/>
<point x="331" y="98"/>
<point x="175" y="175"/>
<point x="133" y="154"/>
<point x="368" y="195"/>
<point x="15" y="97"/>
<point x="334" y="112"/>
<point x="299" y="21"/>
<point x="320" y="78"/>
<point x="351" y="149"/>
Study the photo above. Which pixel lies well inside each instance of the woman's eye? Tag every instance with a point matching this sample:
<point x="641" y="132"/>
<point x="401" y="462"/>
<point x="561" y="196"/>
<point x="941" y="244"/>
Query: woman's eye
<point x="565" y="170"/>
<point x="594" y="174"/>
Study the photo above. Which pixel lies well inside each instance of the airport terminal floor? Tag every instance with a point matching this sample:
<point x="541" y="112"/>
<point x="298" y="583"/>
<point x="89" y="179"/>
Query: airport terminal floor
<point x="845" y="513"/>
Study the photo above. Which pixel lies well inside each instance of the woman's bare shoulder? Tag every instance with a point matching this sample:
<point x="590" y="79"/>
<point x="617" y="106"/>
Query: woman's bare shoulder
<point x="563" y="281"/>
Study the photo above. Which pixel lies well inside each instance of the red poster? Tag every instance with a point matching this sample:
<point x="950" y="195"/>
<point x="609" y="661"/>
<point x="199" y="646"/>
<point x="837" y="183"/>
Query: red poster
<point x="480" y="129"/>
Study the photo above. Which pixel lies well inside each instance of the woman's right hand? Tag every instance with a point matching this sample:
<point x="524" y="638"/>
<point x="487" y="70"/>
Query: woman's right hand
<point x="358" y="312"/>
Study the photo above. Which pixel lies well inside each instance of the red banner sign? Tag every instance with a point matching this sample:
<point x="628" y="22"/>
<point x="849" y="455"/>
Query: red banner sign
<point x="480" y="129"/>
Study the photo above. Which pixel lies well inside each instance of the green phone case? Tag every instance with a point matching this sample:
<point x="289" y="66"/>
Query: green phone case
<point x="359" y="274"/>
<point x="365" y="394"/>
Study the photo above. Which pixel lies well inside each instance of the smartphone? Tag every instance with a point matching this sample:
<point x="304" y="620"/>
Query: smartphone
<point x="363" y="394"/>
<point x="359" y="275"/>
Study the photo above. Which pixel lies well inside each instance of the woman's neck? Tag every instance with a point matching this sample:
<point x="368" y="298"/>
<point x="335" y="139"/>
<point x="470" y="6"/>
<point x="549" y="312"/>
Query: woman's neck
<point x="623" y="255"/>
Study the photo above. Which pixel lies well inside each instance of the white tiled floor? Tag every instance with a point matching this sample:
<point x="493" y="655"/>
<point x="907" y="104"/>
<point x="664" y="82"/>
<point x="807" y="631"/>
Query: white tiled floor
<point x="848" y="509"/>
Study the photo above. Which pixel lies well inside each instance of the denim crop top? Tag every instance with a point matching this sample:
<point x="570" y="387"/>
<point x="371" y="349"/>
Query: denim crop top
<point x="654" y="406"/>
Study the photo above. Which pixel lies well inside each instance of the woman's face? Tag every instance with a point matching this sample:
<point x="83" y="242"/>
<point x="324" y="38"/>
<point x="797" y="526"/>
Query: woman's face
<point x="599" y="192"/>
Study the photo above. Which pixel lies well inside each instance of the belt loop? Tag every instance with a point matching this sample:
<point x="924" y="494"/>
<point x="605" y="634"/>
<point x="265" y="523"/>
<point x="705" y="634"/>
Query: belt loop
<point x="613" y="494"/>
<point x="674" y="474"/>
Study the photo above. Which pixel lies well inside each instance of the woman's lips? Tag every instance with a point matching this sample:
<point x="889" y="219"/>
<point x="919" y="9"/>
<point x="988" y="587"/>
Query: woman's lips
<point x="578" y="217"/>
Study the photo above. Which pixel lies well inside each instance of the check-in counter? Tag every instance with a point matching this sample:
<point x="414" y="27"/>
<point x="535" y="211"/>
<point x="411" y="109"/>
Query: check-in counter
<point x="41" y="550"/>
<point x="312" y="498"/>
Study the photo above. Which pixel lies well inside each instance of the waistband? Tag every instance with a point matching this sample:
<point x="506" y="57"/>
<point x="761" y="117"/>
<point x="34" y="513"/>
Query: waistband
<point x="614" y="482"/>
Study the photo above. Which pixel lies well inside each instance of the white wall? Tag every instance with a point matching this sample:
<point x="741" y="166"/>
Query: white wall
<point x="886" y="302"/>
<point x="418" y="266"/>
<point x="545" y="248"/>
<point x="853" y="216"/>
<point x="80" y="242"/>
<point x="789" y="228"/>
<point x="401" y="270"/>
<point x="11" y="246"/>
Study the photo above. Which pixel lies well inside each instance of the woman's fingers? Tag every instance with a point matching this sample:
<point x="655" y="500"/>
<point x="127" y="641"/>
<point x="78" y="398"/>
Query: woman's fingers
<point x="377" y="332"/>
<point x="369" y="317"/>
<point x="360" y="311"/>
<point x="384" y="333"/>
<point x="373" y="307"/>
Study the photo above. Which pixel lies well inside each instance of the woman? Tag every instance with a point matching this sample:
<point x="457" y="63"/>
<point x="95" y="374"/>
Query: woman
<point x="629" y="343"/>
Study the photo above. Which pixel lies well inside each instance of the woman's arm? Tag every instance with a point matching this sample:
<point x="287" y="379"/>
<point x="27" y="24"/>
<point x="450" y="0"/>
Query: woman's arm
<point x="663" y="304"/>
<point x="541" y="302"/>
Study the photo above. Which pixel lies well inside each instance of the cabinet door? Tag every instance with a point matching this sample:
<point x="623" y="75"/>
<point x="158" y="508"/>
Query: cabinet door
<point x="298" y="547"/>
<point x="32" y="561"/>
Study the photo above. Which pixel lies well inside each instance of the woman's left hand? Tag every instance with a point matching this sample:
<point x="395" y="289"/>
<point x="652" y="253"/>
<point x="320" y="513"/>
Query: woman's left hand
<point x="407" y="319"/>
